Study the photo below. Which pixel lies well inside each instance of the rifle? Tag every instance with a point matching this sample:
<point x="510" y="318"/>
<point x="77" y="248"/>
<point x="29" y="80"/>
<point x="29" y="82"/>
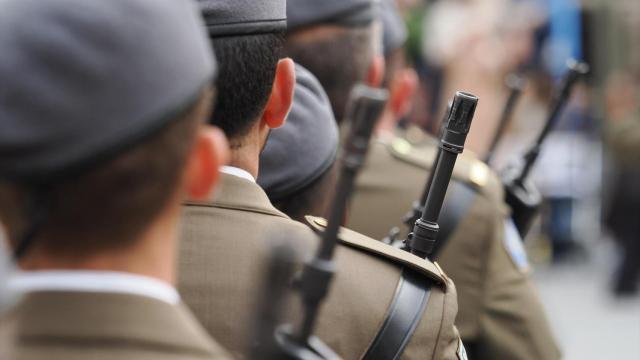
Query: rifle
<point x="516" y="84"/>
<point x="278" y="274"/>
<point x="414" y="214"/>
<point x="523" y="198"/>
<point x="425" y="229"/>
<point x="365" y="106"/>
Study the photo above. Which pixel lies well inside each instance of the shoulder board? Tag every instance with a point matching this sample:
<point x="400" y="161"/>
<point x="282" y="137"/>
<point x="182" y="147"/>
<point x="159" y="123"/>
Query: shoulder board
<point x="468" y="169"/>
<point x="364" y="243"/>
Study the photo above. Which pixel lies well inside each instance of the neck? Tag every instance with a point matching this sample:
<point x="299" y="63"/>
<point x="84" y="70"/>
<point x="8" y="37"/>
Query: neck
<point x="153" y="255"/>
<point x="245" y="153"/>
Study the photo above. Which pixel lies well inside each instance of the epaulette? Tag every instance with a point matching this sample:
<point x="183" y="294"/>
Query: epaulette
<point x="364" y="243"/>
<point x="468" y="169"/>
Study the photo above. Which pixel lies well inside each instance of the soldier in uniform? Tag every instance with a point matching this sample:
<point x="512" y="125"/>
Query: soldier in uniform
<point x="222" y="238"/>
<point x="623" y="138"/>
<point x="500" y="314"/>
<point x="101" y="129"/>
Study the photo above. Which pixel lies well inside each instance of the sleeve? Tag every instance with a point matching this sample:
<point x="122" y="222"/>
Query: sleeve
<point x="513" y="324"/>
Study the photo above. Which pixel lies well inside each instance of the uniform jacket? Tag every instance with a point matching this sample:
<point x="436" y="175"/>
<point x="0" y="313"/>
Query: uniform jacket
<point x="500" y="315"/>
<point x="221" y="269"/>
<point x="96" y="326"/>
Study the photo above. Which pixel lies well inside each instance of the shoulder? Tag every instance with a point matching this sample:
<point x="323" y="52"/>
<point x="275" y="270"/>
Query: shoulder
<point x="468" y="170"/>
<point x="371" y="247"/>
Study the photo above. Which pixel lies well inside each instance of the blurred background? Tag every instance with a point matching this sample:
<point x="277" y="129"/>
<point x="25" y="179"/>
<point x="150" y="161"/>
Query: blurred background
<point x="586" y="245"/>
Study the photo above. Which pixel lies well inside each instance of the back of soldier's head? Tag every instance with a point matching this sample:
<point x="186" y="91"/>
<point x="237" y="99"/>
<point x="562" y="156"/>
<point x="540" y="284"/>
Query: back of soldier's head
<point x="297" y="165"/>
<point x="247" y="37"/>
<point x="394" y="37"/>
<point x="99" y="108"/>
<point x="336" y="40"/>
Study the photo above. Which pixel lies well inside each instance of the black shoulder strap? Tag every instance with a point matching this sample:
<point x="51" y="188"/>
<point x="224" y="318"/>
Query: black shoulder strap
<point x="460" y="196"/>
<point x="403" y="316"/>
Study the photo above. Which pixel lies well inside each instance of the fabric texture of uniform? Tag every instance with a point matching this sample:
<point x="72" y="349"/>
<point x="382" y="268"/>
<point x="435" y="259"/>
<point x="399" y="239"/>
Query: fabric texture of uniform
<point x="307" y="13"/>
<point x="305" y="147"/>
<point x="244" y="17"/>
<point x="223" y="256"/>
<point x="74" y="326"/>
<point x="499" y="309"/>
<point x="82" y="80"/>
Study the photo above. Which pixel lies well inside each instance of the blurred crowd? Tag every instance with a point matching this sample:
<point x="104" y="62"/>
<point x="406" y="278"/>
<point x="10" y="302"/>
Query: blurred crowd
<point x="589" y="181"/>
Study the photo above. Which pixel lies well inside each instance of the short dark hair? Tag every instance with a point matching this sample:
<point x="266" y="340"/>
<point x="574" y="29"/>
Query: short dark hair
<point x="338" y="56"/>
<point x="109" y="205"/>
<point x="247" y="69"/>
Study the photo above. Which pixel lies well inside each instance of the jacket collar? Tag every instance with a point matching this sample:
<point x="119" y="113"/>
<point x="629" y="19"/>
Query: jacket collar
<point x="109" y="318"/>
<point x="240" y="194"/>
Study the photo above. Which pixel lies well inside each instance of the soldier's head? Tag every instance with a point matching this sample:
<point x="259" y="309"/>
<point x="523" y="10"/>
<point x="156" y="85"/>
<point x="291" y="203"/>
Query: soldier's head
<point x="339" y="41"/>
<point x="400" y="79"/>
<point x="102" y="113"/>
<point x="297" y="165"/>
<point x="255" y="83"/>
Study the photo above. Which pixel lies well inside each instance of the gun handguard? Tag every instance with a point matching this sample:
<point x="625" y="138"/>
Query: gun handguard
<point x="365" y="107"/>
<point x="425" y="230"/>
<point x="520" y="194"/>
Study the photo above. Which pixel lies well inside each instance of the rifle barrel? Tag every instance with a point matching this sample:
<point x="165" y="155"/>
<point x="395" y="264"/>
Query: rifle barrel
<point x="365" y="106"/>
<point x="516" y="84"/>
<point x="576" y="71"/>
<point x="425" y="230"/>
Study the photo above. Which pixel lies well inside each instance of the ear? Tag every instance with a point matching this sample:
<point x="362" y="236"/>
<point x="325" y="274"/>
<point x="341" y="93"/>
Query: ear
<point x="375" y="75"/>
<point x="403" y="89"/>
<point x="281" y="97"/>
<point x="210" y="151"/>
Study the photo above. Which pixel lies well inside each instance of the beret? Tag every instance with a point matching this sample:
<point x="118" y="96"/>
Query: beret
<point x="306" y="13"/>
<point x="244" y="17"/>
<point x="305" y="147"/>
<point x="84" y="80"/>
<point x="394" y="28"/>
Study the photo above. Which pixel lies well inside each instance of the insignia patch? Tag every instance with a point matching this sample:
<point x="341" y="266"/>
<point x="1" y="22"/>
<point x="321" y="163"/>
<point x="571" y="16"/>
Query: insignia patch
<point x="402" y="146"/>
<point x="462" y="352"/>
<point x="479" y="174"/>
<point x="514" y="247"/>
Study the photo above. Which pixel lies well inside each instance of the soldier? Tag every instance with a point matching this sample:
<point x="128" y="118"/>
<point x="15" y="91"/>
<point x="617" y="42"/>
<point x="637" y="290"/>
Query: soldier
<point x="297" y="165"/>
<point x="483" y="254"/>
<point x="221" y="259"/>
<point x="101" y="129"/>
<point x="623" y="140"/>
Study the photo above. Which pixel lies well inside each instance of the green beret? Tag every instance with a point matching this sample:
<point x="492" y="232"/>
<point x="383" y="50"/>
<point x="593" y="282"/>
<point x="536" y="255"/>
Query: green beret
<point x="304" y="148"/>
<point x="307" y="13"/>
<point x="394" y="28"/>
<point x="244" y="17"/>
<point x="84" y="80"/>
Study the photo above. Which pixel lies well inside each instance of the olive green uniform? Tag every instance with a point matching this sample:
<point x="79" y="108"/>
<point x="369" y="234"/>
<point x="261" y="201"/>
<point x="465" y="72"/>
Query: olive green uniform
<point x="500" y="315"/>
<point x="57" y="325"/>
<point x="623" y="137"/>
<point x="222" y="259"/>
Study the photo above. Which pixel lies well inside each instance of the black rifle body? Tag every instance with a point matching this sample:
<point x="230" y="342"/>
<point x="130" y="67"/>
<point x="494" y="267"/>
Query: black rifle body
<point x="365" y="107"/>
<point x="425" y="230"/>
<point x="520" y="194"/>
